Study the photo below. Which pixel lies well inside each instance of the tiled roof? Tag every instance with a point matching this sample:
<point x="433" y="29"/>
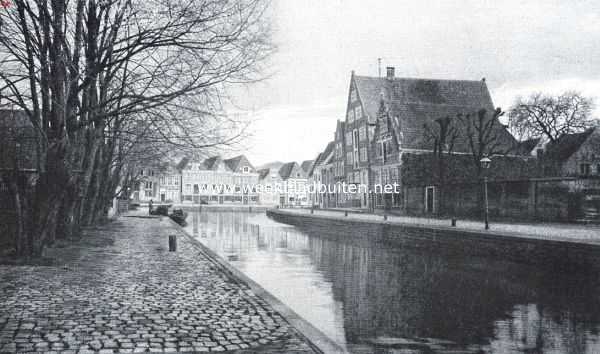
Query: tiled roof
<point x="183" y="163"/>
<point x="307" y="165"/>
<point x="420" y="101"/>
<point x="323" y="156"/>
<point x="286" y="170"/>
<point x="264" y="173"/>
<point x="211" y="163"/>
<point x="565" y="146"/>
<point x="526" y="147"/>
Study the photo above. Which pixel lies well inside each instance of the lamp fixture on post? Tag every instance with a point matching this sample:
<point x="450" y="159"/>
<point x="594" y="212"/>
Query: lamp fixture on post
<point x="485" y="165"/>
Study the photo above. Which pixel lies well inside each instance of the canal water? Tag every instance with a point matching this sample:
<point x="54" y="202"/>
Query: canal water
<point x="371" y="297"/>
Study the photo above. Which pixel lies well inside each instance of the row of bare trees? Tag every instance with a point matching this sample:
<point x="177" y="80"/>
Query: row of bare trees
<point x="109" y="85"/>
<point x="479" y="134"/>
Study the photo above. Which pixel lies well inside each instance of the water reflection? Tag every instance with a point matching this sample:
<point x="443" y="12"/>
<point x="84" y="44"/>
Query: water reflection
<point x="370" y="296"/>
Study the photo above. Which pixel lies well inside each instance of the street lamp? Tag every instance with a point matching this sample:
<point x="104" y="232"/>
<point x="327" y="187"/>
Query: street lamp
<point x="485" y="165"/>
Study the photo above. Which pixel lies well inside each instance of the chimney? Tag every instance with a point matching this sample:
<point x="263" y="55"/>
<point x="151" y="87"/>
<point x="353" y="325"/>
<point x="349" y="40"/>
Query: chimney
<point x="391" y="72"/>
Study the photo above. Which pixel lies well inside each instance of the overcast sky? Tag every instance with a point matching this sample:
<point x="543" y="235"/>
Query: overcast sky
<point x="518" y="46"/>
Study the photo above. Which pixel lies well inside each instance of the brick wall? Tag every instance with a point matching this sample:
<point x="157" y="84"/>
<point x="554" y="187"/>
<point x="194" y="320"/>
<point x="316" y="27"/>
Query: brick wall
<point x="450" y="241"/>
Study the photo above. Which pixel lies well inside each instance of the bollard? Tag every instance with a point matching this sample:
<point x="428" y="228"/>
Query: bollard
<point x="312" y="210"/>
<point x="453" y="222"/>
<point x="346" y="214"/>
<point x="385" y="217"/>
<point x="172" y="243"/>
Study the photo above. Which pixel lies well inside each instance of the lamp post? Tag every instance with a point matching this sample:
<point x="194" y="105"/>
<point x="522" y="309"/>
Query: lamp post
<point x="485" y="165"/>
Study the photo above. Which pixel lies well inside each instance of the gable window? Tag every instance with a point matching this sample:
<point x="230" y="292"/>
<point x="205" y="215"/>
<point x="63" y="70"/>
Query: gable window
<point x="246" y="169"/>
<point x="357" y="113"/>
<point x="353" y="95"/>
<point x="350" y="116"/>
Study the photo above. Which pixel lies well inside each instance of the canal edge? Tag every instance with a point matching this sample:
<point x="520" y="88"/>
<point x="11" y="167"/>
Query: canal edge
<point x="316" y="339"/>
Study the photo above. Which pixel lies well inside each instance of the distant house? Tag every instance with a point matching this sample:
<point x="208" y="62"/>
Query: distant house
<point x="573" y="155"/>
<point x="322" y="177"/>
<point x="294" y="185"/>
<point x="217" y="180"/>
<point x="270" y="181"/>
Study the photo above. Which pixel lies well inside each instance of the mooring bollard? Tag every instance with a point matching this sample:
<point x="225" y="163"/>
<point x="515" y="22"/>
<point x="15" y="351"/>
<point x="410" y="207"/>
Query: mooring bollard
<point x="453" y="222"/>
<point x="172" y="243"/>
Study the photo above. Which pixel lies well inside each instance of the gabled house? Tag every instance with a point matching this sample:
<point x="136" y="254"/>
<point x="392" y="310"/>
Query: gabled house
<point x="322" y="179"/>
<point x="396" y="113"/>
<point x="218" y="180"/>
<point x="573" y="155"/>
<point x="294" y="185"/>
<point x="270" y="183"/>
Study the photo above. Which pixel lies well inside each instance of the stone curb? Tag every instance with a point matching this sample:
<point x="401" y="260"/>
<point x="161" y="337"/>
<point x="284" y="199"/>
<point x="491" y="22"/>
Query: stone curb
<point x="313" y="336"/>
<point x="479" y="233"/>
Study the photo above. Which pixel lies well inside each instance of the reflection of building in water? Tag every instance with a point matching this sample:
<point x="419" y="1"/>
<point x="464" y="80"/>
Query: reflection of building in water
<point x="396" y="292"/>
<point x="405" y="294"/>
<point x="232" y="232"/>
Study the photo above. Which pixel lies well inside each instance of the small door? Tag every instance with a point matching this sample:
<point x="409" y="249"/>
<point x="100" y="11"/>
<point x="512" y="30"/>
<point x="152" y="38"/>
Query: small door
<point x="430" y="200"/>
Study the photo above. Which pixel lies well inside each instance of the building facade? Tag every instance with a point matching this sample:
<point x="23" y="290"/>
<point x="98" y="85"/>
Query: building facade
<point x="218" y="181"/>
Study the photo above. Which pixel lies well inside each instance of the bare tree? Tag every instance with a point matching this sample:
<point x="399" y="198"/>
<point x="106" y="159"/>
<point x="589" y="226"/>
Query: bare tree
<point x="98" y="78"/>
<point x="485" y="135"/>
<point x="541" y="115"/>
<point x="442" y="135"/>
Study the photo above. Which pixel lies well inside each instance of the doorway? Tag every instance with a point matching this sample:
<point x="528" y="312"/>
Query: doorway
<point x="430" y="200"/>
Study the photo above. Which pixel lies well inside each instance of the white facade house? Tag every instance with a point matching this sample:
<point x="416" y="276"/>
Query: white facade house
<point x="218" y="181"/>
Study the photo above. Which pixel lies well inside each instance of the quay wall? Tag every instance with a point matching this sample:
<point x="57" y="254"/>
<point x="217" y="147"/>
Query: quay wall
<point x="562" y="255"/>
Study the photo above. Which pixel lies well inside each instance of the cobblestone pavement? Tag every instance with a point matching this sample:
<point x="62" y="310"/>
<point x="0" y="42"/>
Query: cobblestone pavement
<point x="120" y="290"/>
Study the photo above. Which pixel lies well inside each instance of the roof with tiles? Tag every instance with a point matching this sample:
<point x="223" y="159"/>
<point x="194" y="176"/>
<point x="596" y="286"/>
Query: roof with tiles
<point x="420" y="101"/>
<point x="565" y="146"/>
<point x="286" y="170"/>
<point x="322" y="156"/>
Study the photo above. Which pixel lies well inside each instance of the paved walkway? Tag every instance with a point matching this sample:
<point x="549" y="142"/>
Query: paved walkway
<point x="120" y="290"/>
<point x="546" y="231"/>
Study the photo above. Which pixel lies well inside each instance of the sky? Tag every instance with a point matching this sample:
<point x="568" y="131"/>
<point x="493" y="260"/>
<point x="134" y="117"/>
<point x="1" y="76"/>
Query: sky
<point x="520" y="47"/>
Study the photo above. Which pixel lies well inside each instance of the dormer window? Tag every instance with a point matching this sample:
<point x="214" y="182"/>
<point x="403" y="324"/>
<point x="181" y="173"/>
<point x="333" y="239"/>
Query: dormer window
<point x="353" y="96"/>
<point x="246" y="169"/>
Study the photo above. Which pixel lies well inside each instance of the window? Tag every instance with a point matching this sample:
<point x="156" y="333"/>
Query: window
<point x="358" y="113"/>
<point x="349" y="158"/>
<point x="598" y="169"/>
<point x="363" y="155"/>
<point x="362" y="133"/>
<point x="350" y="115"/>
<point x="350" y="178"/>
<point x="353" y="95"/>
<point x="585" y="168"/>
<point x="349" y="139"/>
<point x="148" y="184"/>
<point x="384" y="150"/>
<point x="246" y="169"/>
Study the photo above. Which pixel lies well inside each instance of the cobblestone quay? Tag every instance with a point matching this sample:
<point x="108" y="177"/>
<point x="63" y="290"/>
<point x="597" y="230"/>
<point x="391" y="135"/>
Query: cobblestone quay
<point x="120" y="290"/>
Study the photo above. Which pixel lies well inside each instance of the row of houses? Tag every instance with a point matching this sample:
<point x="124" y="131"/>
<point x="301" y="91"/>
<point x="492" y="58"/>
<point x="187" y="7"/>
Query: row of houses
<point x="216" y="180"/>
<point x="383" y="140"/>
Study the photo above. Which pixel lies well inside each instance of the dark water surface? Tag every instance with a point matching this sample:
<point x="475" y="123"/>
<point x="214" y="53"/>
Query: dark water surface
<point x="369" y="296"/>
